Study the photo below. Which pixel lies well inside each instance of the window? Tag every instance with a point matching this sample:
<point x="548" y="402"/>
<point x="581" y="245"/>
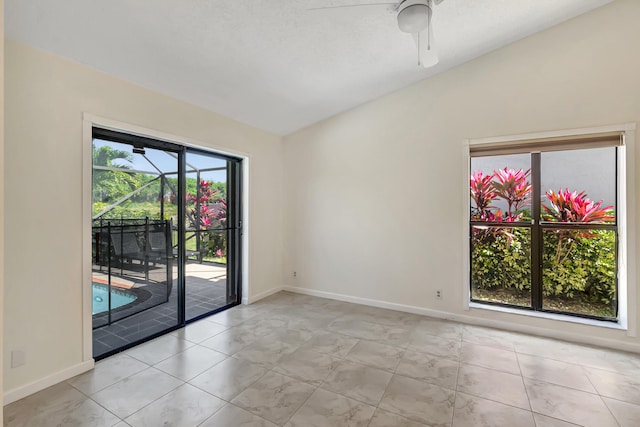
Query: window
<point x="544" y="225"/>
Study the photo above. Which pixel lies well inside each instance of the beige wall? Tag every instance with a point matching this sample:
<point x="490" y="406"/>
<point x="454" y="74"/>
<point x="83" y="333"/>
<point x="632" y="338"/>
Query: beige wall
<point x="375" y="196"/>
<point x="1" y="186"/>
<point x="46" y="97"/>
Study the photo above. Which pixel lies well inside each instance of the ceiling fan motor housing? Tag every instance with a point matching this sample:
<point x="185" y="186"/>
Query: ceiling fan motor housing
<point x="414" y="15"/>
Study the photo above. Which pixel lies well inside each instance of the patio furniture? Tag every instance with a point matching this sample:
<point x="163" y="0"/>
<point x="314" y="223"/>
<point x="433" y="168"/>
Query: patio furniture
<point x="125" y="246"/>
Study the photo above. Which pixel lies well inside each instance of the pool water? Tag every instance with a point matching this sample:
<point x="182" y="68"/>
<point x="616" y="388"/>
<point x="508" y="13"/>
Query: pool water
<point x="100" y="298"/>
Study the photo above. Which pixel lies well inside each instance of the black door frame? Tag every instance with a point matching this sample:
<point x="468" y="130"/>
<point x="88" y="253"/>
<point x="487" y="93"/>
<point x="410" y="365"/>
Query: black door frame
<point x="234" y="195"/>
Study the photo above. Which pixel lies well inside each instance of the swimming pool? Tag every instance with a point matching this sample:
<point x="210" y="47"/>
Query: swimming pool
<point x="100" y="298"/>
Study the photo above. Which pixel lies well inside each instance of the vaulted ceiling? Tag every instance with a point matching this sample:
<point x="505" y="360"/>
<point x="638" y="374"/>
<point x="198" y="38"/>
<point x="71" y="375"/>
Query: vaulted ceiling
<point x="279" y="65"/>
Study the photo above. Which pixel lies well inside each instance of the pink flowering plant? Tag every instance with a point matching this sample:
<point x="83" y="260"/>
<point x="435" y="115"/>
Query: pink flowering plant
<point x="510" y="185"/>
<point x="482" y="194"/>
<point x="212" y="207"/>
<point x="578" y="261"/>
<point x="574" y="207"/>
<point x="513" y="187"/>
<point x="571" y="206"/>
<point x="207" y="210"/>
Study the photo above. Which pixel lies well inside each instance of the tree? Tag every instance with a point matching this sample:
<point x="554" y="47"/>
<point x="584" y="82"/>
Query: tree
<point x="105" y="155"/>
<point x="110" y="185"/>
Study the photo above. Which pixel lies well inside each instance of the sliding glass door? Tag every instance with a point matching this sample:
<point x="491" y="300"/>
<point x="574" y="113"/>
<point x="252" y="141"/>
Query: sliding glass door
<point x="166" y="232"/>
<point x="212" y="233"/>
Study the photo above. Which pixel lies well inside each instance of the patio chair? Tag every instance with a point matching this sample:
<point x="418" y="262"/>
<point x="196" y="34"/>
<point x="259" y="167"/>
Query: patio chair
<point x="157" y="247"/>
<point x="125" y="246"/>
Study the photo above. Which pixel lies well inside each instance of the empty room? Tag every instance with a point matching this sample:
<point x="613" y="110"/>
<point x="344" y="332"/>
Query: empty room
<point x="320" y="213"/>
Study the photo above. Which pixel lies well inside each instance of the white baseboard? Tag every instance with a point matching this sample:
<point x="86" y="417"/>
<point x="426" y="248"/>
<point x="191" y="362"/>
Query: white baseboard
<point x="53" y="379"/>
<point x="478" y="321"/>
<point x="261" y="295"/>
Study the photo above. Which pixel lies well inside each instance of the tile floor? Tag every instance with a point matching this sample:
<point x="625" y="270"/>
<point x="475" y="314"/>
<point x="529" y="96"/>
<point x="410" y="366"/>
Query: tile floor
<point x="293" y="360"/>
<point x="206" y="290"/>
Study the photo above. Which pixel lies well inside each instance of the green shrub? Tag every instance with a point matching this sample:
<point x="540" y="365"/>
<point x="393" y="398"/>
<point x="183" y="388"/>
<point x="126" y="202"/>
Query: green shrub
<point x="580" y="265"/>
<point x="501" y="260"/>
<point x="575" y="265"/>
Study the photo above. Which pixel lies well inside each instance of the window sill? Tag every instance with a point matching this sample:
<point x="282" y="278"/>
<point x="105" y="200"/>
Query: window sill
<point x="550" y="316"/>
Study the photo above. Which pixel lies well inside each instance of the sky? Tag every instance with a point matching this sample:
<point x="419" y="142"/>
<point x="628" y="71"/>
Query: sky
<point x="167" y="163"/>
<point x="589" y="170"/>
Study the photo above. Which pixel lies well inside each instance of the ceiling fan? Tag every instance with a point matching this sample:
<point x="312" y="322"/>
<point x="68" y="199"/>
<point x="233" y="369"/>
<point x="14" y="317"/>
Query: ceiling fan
<point x="414" y="17"/>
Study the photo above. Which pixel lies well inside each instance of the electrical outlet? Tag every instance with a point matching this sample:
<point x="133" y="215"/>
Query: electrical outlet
<point x="438" y="294"/>
<point x="295" y="274"/>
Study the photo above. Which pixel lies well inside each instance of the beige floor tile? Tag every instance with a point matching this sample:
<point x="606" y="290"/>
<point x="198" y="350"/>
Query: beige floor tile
<point x="307" y="366"/>
<point x="490" y="337"/>
<point x="265" y="352"/>
<point x="232" y="416"/>
<point x="332" y="344"/>
<point x="233" y="316"/>
<point x="358" y="382"/>
<point x="493" y="385"/>
<point x="228" y="378"/>
<point x="609" y="360"/>
<point x="261" y="327"/>
<point x="434" y="370"/>
<point x="555" y="372"/>
<point x="627" y="414"/>
<point x="199" y="331"/>
<point x="159" y="349"/>
<point x="472" y="411"/>
<point x="133" y="393"/>
<point x="489" y="357"/>
<point x="550" y="349"/>
<point x="60" y="405"/>
<point x="376" y="355"/>
<point x="440" y="328"/>
<point x="383" y="317"/>
<point x="274" y="397"/>
<point x="371" y="331"/>
<point x="107" y="372"/>
<point x="327" y="409"/>
<point x="614" y="385"/>
<point x="434" y="345"/>
<point x="185" y="406"/>
<point x="382" y="418"/>
<point x="544" y="421"/>
<point x="292" y="337"/>
<point x="309" y="324"/>
<point x="191" y="362"/>
<point x="570" y="405"/>
<point x="230" y="341"/>
<point x="419" y="401"/>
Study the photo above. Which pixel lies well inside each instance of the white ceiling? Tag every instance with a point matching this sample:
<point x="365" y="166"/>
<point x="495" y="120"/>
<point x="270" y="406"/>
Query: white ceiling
<point x="274" y="64"/>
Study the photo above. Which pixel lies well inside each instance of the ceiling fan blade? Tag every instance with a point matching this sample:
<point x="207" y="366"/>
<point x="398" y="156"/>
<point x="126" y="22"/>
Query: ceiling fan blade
<point x="342" y="6"/>
<point x="427" y="54"/>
